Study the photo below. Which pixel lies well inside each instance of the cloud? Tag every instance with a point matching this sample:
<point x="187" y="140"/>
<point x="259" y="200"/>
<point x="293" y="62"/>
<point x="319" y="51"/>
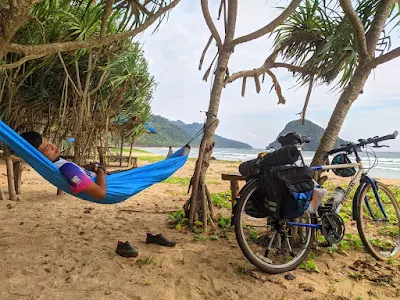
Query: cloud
<point x="174" y="53"/>
<point x="252" y="135"/>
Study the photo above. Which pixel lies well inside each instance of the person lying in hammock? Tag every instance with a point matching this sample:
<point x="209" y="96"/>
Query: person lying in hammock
<point x="79" y="178"/>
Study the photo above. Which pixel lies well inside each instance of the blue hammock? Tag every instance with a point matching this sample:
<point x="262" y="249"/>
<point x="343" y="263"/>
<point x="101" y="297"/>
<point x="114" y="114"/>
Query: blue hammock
<point x="120" y="186"/>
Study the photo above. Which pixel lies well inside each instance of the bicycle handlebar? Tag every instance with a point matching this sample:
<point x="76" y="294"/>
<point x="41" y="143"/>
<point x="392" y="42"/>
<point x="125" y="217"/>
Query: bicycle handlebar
<point x="385" y="138"/>
<point x="349" y="148"/>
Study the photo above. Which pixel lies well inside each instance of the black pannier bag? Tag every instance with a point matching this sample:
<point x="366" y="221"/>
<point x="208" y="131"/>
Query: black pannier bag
<point x="256" y="205"/>
<point x="286" y="193"/>
<point x="291" y="187"/>
<point x="287" y="189"/>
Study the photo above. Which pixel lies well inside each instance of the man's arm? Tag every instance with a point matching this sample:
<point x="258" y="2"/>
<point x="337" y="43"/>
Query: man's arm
<point x="98" y="189"/>
<point x="81" y="182"/>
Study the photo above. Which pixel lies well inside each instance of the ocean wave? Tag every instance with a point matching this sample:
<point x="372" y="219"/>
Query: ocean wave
<point x="388" y="163"/>
<point x="385" y="168"/>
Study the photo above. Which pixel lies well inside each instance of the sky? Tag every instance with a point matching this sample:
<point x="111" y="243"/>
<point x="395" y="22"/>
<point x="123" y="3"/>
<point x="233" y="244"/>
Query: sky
<point x="173" y="53"/>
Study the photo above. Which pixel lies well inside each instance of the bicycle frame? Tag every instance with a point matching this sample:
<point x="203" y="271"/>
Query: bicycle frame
<point x="361" y="174"/>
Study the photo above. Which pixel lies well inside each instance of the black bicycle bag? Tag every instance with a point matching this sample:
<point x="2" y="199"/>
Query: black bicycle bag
<point x="288" y="190"/>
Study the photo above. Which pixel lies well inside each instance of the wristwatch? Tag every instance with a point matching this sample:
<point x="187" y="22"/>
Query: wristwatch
<point x="100" y="166"/>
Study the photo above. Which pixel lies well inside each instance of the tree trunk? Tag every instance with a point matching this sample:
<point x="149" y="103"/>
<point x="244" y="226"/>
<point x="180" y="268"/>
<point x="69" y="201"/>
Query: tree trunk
<point x="133" y="141"/>
<point x="348" y="96"/>
<point x="11" y="19"/>
<point x="121" y="152"/>
<point x="197" y="207"/>
<point x="10" y="177"/>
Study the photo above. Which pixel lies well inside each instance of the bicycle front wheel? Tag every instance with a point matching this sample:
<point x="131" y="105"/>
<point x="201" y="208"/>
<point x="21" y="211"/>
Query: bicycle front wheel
<point x="378" y="221"/>
<point x="272" y="246"/>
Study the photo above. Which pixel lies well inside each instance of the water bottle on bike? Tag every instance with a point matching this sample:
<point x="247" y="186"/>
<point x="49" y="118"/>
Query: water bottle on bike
<point x="334" y="202"/>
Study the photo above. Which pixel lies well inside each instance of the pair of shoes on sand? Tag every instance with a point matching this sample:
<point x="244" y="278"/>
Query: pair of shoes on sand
<point x="126" y="250"/>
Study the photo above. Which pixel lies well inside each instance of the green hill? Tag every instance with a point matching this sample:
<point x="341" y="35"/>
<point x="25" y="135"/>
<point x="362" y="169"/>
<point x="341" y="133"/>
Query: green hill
<point x="220" y="142"/>
<point x="167" y="134"/>
<point x="177" y="133"/>
<point x="310" y="129"/>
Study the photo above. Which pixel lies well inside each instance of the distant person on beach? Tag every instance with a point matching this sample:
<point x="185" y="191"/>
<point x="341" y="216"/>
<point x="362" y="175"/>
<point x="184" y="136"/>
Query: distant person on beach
<point x="79" y="178"/>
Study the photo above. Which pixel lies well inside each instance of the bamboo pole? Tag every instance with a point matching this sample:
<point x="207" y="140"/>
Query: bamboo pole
<point x="122" y="149"/>
<point x="130" y="160"/>
<point x="17" y="168"/>
<point x="106" y="142"/>
<point x="10" y="177"/>
<point x="131" y="149"/>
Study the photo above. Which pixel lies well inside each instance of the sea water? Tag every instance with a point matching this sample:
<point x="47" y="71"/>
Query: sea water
<point x="388" y="163"/>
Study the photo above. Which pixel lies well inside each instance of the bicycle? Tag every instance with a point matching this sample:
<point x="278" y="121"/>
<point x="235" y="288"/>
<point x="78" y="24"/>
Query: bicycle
<point x="282" y="245"/>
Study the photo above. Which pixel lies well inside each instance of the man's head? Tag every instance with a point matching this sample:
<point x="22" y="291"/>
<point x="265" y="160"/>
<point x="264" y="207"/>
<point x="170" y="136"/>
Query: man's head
<point x="49" y="150"/>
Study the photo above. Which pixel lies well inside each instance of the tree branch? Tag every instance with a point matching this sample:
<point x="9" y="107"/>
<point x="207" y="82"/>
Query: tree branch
<point x="100" y="84"/>
<point x="244" y="86"/>
<point x="203" y="54"/>
<point x="141" y="7"/>
<point x="20" y="62"/>
<point x="268" y="63"/>
<point x="257" y="83"/>
<point x="357" y="26"/>
<point x="67" y="73"/>
<point x="106" y="15"/>
<point x="69" y="46"/>
<point x="264" y="68"/>
<point x="12" y="19"/>
<point x="207" y="73"/>
<point x="41" y="28"/>
<point x="292" y="68"/>
<point x="222" y="9"/>
<point x="78" y="77"/>
<point x="13" y="4"/>
<point x="310" y="87"/>
<point x="378" y="24"/>
<point x="277" y="87"/>
<point x="231" y="21"/>
<point x="246" y="73"/>
<point x="210" y="24"/>
<point x="268" y="28"/>
<point x="383" y="58"/>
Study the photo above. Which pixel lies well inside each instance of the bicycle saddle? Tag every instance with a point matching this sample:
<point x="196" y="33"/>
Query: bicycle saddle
<point x="293" y="138"/>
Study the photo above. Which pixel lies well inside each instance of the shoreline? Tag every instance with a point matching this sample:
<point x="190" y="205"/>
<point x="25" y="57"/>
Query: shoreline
<point x="331" y="177"/>
<point x="260" y="149"/>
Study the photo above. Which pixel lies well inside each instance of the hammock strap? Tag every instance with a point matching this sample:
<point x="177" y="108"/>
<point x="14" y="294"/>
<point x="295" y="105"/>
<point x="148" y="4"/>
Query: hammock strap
<point x="201" y="131"/>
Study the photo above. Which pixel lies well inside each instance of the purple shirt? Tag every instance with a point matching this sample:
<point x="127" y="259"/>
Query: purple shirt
<point x="78" y="178"/>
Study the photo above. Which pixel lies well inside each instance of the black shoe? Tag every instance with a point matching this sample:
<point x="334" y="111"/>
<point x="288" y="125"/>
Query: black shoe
<point x="159" y="239"/>
<point x="126" y="250"/>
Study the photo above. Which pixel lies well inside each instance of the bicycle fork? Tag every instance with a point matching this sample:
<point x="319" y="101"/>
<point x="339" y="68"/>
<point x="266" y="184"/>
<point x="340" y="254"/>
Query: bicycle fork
<point x="375" y="190"/>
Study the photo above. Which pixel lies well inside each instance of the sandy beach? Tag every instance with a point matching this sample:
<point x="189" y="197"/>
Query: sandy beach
<point x="61" y="247"/>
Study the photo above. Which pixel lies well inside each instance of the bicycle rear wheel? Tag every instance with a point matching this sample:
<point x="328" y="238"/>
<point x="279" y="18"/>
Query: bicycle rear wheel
<point x="272" y="246"/>
<point x="378" y="222"/>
